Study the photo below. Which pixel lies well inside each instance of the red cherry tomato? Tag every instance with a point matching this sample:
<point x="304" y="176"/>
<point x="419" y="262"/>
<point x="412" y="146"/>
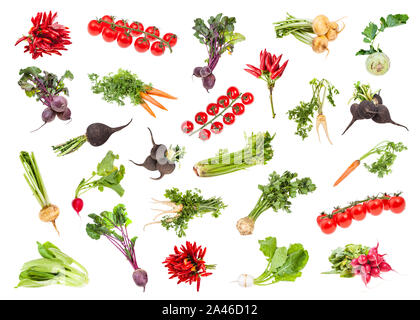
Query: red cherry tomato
<point x="229" y="118"/>
<point x="152" y="30"/>
<point x="158" y="48"/>
<point x="386" y="202"/>
<point x="138" y="26"/>
<point x="233" y="93"/>
<point x="375" y="207"/>
<point x="320" y="218"/>
<point x="124" y="40"/>
<point x="187" y="127"/>
<point x="397" y="204"/>
<point x="212" y="109"/>
<point x="247" y="98"/>
<point x="107" y="19"/>
<point x="109" y="35"/>
<point x="121" y="23"/>
<point x="358" y="212"/>
<point x="204" y="134"/>
<point x="238" y="109"/>
<point x="216" y="127"/>
<point x="344" y="219"/>
<point x="141" y="44"/>
<point x="328" y="226"/>
<point x="171" y="38"/>
<point x="223" y="101"/>
<point x="94" y="28"/>
<point x="201" y="118"/>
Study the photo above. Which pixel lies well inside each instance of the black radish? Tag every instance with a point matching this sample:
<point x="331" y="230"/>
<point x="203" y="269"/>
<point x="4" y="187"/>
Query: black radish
<point x="158" y="150"/>
<point x="96" y="134"/>
<point x="383" y="116"/>
<point x="150" y="164"/>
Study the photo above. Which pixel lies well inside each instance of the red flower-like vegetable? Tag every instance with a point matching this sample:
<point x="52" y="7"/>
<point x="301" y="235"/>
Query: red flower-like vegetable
<point x="187" y="264"/>
<point x="46" y="36"/>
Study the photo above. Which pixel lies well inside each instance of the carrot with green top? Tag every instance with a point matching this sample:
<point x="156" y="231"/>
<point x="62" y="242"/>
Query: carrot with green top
<point x="148" y="98"/>
<point x="159" y="93"/>
<point x="382" y="166"/>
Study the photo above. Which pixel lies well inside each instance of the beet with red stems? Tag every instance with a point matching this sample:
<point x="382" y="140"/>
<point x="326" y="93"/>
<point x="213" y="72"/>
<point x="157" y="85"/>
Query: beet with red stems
<point x="96" y="134"/>
<point x="48" y="115"/>
<point x="383" y="116"/>
<point x="140" y="278"/>
<point x="65" y="115"/>
<point x="205" y="72"/>
<point x="59" y="104"/>
<point x="197" y="72"/>
<point x="209" y="81"/>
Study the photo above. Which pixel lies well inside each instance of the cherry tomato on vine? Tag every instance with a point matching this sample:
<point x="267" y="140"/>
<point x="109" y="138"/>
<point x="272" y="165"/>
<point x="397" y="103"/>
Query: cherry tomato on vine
<point x="107" y="19"/>
<point x="141" y="44"/>
<point x="233" y="93"/>
<point x="375" y="207"/>
<point x="229" y="118"/>
<point x="187" y="127"/>
<point x="121" y="23"/>
<point x="397" y="204"/>
<point x="158" y="48"/>
<point x="109" y="35"/>
<point x="201" y="118"/>
<point x="358" y="212"/>
<point x="247" y="98"/>
<point x="212" y="109"/>
<point x="386" y="202"/>
<point x="124" y="40"/>
<point x="320" y="218"/>
<point x="204" y="134"/>
<point x="152" y="30"/>
<point x="238" y="109"/>
<point x="223" y="101"/>
<point x="138" y="26"/>
<point x="171" y="38"/>
<point x="344" y="219"/>
<point x="328" y="226"/>
<point x="216" y="127"/>
<point x="94" y="28"/>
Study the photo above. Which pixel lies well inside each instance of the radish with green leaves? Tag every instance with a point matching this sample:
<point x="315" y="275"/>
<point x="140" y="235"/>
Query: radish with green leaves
<point x="96" y="134"/>
<point x="107" y="176"/>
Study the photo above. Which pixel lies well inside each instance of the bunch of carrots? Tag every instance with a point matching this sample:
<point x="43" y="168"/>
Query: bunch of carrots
<point x="146" y="96"/>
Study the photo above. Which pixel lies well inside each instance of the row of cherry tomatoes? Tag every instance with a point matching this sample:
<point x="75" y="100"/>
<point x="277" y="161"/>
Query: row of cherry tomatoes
<point x="328" y="223"/>
<point x="218" y="109"/>
<point x="124" y="33"/>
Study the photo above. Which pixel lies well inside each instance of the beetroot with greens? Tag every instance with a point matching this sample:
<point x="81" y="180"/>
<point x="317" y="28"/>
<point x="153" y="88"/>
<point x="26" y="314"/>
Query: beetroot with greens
<point x="47" y="88"/>
<point x="218" y="35"/>
<point x="113" y="226"/>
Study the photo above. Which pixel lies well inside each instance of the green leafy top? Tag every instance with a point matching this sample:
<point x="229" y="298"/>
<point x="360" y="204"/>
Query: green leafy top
<point x="55" y="267"/>
<point x="341" y="259"/>
<point x="362" y="92"/>
<point x="117" y="87"/>
<point x="43" y="86"/>
<point x="284" y="264"/>
<point x="113" y="226"/>
<point x="110" y="177"/>
<point x="387" y="151"/>
<point x="218" y="35"/>
<point x="193" y="205"/>
<point x="372" y="31"/>
<point x="304" y="112"/>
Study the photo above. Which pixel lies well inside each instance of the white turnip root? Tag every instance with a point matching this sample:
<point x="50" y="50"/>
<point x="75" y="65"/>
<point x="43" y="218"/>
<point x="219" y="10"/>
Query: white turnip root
<point x="320" y="25"/>
<point x="320" y="44"/>
<point x="245" y="280"/>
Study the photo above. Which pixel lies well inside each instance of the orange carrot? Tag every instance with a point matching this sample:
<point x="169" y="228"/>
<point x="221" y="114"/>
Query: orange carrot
<point x="349" y="170"/>
<point x="148" y="98"/>
<point x="159" y="93"/>
<point x="146" y="106"/>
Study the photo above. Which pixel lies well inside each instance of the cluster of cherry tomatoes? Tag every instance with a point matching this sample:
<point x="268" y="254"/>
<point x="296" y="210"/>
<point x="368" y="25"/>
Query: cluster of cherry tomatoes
<point x="345" y="216"/>
<point x="219" y="109"/>
<point x="124" y="33"/>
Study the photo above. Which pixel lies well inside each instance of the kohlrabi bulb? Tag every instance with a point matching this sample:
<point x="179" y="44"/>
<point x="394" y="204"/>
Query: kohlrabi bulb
<point x="378" y="63"/>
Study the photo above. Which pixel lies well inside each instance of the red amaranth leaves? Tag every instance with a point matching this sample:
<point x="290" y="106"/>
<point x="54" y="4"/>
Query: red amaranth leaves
<point x="187" y="264"/>
<point x="46" y="36"/>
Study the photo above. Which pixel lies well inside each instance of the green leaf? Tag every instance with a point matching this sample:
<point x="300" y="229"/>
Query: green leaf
<point x="370" y="32"/>
<point x="279" y="258"/>
<point x="106" y="166"/>
<point x="268" y="246"/>
<point x="296" y="261"/>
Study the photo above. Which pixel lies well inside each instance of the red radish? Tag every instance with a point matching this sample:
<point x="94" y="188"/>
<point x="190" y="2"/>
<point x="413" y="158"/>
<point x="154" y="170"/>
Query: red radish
<point x="77" y="205"/>
<point x="355" y="263"/>
<point x="362" y="259"/>
<point x="365" y="277"/>
<point x="368" y="268"/>
<point x="375" y="272"/>
<point x="385" y="267"/>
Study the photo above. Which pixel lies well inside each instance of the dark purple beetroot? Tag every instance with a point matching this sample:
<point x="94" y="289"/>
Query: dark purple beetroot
<point x="65" y="115"/>
<point x="196" y="72"/>
<point x="205" y="72"/>
<point x="59" y="104"/>
<point x="209" y="82"/>
<point x="98" y="133"/>
<point x="140" y="278"/>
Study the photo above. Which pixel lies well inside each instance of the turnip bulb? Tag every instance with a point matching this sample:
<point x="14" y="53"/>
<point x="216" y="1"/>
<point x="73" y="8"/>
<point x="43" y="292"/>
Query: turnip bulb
<point x="59" y="104"/>
<point x="378" y="63"/>
<point x="140" y="278"/>
<point x="245" y="280"/>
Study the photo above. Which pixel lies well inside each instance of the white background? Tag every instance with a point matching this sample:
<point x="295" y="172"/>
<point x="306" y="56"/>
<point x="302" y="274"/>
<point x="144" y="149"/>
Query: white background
<point x="110" y="274"/>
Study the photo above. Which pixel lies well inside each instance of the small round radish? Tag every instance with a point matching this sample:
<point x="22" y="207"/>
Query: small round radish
<point x="77" y="205"/>
<point x="355" y="263"/>
<point x="245" y="280"/>
<point x="362" y="259"/>
<point x="375" y="272"/>
<point x="385" y="267"/>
